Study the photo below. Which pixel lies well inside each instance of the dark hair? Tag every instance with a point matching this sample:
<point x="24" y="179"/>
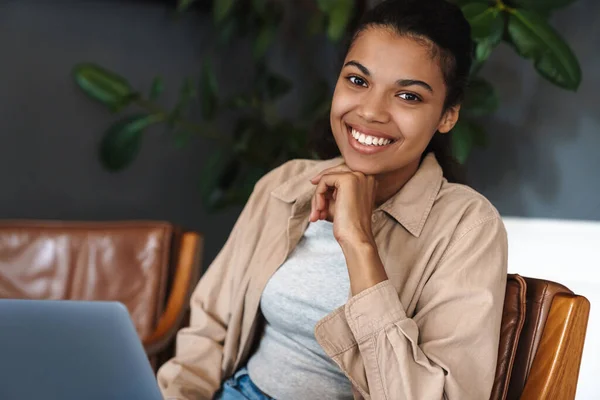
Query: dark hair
<point x="442" y="26"/>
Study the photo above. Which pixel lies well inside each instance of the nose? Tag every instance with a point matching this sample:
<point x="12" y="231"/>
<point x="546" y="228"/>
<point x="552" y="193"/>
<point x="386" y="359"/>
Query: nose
<point x="374" y="108"/>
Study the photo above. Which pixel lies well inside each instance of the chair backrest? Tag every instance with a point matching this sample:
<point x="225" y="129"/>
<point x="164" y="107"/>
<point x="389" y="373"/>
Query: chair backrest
<point x="122" y="261"/>
<point x="539" y="318"/>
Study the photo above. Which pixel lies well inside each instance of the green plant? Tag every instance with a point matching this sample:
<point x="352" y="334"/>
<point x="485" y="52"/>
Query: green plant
<point x="261" y="137"/>
<point x="523" y="24"/>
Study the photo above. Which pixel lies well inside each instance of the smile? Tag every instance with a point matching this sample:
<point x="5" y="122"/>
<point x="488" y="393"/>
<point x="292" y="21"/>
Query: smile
<point x="367" y="143"/>
<point x="369" y="140"/>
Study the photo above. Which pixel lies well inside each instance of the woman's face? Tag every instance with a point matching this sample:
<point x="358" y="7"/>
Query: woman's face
<point x="388" y="103"/>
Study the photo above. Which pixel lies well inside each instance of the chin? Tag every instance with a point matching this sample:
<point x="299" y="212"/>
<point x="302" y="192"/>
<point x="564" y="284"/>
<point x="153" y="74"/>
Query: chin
<point x="358" y="163"/>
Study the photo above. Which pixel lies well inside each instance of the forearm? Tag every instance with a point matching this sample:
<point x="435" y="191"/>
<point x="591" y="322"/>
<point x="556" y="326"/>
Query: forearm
<point x="364" y="264"/>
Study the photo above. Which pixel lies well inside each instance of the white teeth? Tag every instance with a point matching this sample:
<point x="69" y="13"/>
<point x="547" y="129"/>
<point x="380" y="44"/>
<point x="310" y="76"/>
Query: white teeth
<point x="369" y="140"/>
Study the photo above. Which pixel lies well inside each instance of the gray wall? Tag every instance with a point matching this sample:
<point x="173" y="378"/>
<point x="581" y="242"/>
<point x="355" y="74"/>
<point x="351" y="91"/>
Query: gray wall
<point x="50" y="131"/>
<point x="541" y="161"/>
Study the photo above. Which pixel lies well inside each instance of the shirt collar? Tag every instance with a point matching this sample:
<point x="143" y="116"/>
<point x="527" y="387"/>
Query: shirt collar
<point x="410" y="206"/>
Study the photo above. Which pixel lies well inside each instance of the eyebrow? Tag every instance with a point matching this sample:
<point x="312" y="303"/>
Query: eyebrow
<point x="399" y="82"/>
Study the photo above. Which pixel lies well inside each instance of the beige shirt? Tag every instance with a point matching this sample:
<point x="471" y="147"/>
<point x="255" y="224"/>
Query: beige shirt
<point x="430" y="331"/>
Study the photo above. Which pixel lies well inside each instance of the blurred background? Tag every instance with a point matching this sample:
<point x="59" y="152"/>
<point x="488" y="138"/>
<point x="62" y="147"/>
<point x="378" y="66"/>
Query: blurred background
<point x="165" y="110"/>
<point x="540" y="160"/>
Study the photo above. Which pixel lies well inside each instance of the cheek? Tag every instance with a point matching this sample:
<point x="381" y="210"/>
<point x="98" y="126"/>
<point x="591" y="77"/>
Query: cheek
<point x="343" y="101"/>
<point x="416" y="125"/>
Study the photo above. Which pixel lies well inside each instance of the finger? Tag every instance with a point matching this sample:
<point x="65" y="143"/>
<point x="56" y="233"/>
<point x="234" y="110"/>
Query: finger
<point x="313" y="211"/>
<point x="320" y="195"/>
<point x="322" y="212"/>
<point x="328" y="184"/>
<point x="332" y="170"/>
<point x="320" y="199"/>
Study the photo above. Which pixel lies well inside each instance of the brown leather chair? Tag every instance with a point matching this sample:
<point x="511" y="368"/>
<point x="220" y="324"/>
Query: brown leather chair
<point x="148" y="266"/>
<point x="541" y="343"/>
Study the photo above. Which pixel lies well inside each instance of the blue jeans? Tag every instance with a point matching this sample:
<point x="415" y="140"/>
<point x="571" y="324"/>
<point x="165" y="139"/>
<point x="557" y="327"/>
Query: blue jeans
<point x="240" y="387"/>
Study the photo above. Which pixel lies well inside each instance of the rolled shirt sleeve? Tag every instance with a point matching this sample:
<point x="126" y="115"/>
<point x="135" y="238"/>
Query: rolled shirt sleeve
<point x="448" y="349"/>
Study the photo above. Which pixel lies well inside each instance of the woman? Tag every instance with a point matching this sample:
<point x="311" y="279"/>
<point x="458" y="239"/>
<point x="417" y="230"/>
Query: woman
<point x="368" y="275"/>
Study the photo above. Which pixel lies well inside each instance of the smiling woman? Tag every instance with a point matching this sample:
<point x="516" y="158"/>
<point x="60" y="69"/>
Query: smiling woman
<point x="369" y="275"/>
<point x="416" y="90"/>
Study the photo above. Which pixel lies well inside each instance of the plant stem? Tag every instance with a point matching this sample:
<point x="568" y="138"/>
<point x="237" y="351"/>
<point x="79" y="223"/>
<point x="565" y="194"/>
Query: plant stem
<point x="151" y="107"/>
<point x="503" y="7"/>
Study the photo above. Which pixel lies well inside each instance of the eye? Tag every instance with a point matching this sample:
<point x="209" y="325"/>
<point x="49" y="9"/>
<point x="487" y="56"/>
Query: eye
<point x="355" y="80"/>
<point x="409" y="97"/>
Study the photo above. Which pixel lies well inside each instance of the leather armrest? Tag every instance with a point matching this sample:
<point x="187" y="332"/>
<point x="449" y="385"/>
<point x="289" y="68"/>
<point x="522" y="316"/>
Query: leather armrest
<point x="178" y="301"/>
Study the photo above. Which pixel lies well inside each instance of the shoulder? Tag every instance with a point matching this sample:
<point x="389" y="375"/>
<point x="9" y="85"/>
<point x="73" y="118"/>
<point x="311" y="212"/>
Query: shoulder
<point x="466" y="210"/>
<point x="273" y="193"/>
<point x="292" y="169"/>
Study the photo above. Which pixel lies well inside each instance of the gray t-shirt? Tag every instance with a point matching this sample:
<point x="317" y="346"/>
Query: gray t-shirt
<point x="289" y="364"/>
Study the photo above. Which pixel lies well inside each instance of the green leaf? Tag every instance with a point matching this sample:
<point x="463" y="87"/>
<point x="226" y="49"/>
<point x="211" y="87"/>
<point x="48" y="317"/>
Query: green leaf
<point x="339" y="16"/>
<point x="485" y="21"/>
<point x="277" y="86"/>
<point x="533" y="38"/>
<point x="263" y="40"/>
<point x="483" y="50"/>
<point x="480" y="98"/>
<point x="123" y="140"/>
<point x="487" y="28"/>
<point x="465" y="135"/>
<point x="157" y="88"/>
<point x="102" y="85"/>
<point x="221" y="9"/>
<point x="542" y="5"/>
<point x="209" y="90"/>
<point x="186" y="94"/>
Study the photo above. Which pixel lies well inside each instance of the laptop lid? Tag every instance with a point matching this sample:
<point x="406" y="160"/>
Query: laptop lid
<point x="72" y="350"/>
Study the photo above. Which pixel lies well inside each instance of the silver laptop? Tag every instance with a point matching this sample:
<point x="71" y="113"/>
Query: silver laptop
<point x="76" y="350"/>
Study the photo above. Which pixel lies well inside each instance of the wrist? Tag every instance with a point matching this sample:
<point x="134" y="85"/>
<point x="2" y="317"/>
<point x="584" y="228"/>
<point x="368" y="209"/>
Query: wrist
<point x="364" y="266"/>
<point x="359" y="248"/>
<point x="356" y="239"/>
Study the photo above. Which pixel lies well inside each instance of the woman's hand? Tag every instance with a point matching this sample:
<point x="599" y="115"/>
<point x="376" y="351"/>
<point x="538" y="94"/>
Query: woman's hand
<point x="347" y="198"/>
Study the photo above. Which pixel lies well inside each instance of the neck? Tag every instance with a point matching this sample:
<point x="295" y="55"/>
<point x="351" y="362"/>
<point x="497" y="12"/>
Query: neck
<point x="389" y="183"/>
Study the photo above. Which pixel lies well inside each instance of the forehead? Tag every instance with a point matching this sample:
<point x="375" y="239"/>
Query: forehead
<point x="389" y="56"/>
